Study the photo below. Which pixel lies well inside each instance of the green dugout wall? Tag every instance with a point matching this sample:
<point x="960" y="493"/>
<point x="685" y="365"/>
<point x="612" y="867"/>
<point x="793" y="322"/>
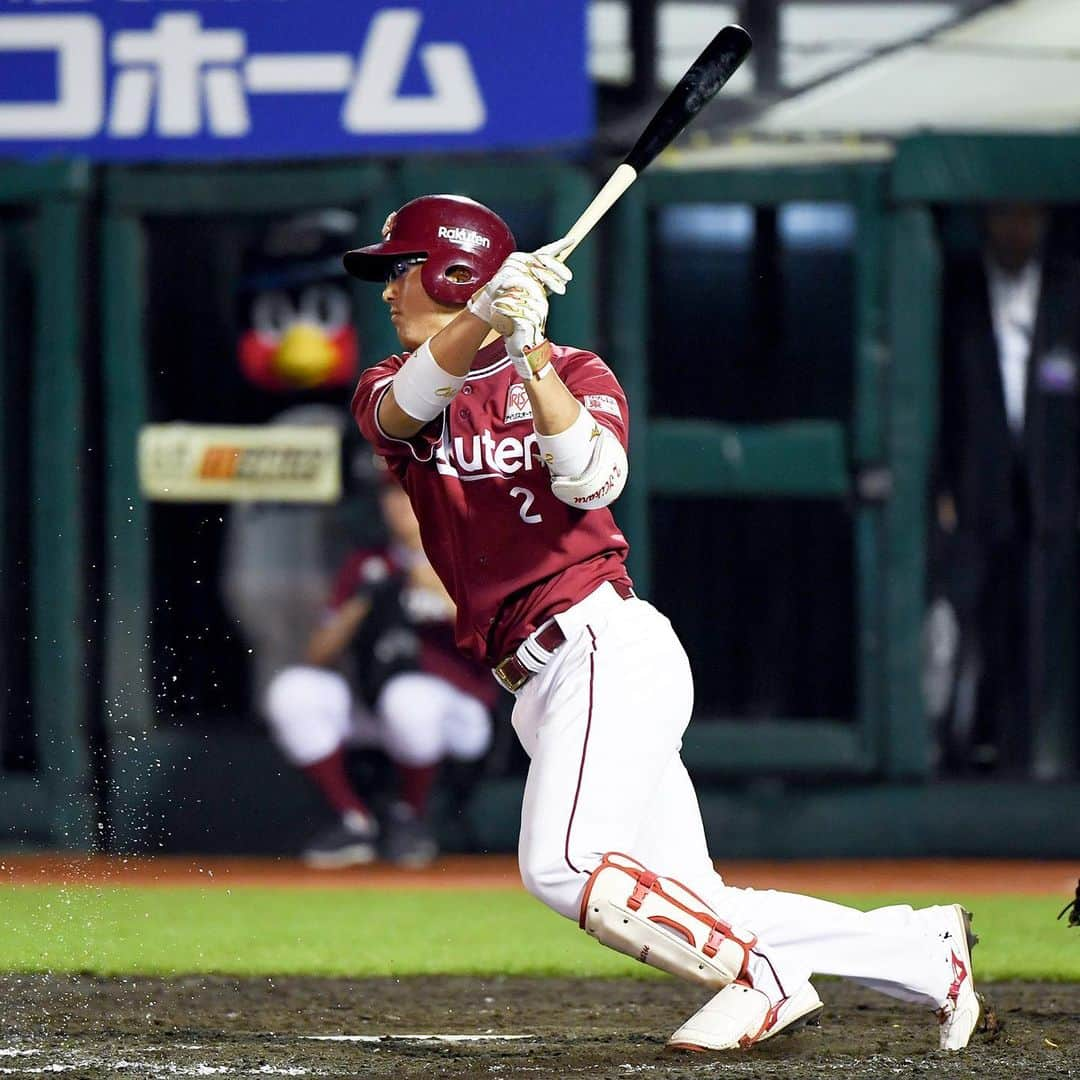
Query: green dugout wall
<point x="784" y="786"/>
<point x="42" y="242"/>
<point x="796" y="459"/>
<point x="861" y="787"/>
<point x="1041" y="169"/>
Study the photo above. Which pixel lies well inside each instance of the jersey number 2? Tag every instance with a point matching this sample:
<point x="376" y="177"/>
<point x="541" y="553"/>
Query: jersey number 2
<point x="526" y="505"/>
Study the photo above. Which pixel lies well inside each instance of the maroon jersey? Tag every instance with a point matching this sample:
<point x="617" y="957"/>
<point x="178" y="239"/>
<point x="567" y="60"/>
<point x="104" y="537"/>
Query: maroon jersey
<point x="509" y="553"/>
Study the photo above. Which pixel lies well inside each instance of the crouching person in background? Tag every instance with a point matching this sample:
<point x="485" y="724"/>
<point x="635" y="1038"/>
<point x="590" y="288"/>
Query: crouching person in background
<point x="391" y="616"/>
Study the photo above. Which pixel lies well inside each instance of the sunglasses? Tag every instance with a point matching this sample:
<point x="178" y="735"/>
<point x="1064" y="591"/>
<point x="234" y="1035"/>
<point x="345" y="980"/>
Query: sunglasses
<point x="402" y="266"/>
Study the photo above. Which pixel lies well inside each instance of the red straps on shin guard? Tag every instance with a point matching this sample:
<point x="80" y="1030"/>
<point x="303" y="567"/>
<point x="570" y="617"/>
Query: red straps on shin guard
<point x="645" y="883"/>
<point x="667" y="903"/>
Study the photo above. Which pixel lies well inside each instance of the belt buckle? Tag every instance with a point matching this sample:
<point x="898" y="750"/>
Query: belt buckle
<point x="512" y="683"/>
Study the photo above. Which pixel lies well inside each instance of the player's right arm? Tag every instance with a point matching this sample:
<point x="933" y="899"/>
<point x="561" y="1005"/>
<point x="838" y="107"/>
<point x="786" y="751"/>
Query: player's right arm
<point x="329" y="641"/>
<point x="432" y="376"/>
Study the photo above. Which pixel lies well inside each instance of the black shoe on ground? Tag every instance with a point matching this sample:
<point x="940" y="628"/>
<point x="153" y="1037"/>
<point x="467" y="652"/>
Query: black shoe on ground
<point x="407" y="841"/>
<point x="351" y="842"/>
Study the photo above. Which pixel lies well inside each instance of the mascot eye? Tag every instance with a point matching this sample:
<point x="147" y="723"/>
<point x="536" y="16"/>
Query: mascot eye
<point x="272" y="314"/>
<point x="325" y="306"/>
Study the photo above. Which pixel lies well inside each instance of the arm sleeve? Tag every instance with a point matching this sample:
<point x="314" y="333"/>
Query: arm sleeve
<point x="593" y="383"/>
<point x="370" y="390"/>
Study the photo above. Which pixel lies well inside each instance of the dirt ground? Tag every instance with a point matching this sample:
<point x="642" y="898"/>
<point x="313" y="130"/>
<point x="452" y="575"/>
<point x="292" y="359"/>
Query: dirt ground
<point x="91" y="1028"/>
<point x="94" y="1028"/>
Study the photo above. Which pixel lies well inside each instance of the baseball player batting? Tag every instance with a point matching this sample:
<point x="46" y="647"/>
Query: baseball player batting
<point x="512" y="450"/>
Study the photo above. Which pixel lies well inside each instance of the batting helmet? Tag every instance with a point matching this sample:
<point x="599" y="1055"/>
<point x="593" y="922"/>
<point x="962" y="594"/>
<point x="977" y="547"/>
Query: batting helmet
<point x="453" y="232"/>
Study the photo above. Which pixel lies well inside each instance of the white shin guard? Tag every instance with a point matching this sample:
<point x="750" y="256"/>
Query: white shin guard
<point x="662" y="923"/>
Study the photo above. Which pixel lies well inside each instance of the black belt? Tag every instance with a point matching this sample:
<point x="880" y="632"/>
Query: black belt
<point x="513" y="674"/>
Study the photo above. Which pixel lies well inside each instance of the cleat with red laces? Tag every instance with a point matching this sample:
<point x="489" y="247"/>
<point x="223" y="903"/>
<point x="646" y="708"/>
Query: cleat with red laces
<point x="959" y="1016"/>
<point x="739" y="1017"/>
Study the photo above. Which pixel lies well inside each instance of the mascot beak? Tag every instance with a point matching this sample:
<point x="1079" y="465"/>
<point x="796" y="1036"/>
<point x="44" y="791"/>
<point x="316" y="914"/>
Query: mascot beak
<point x="305" y="356"/>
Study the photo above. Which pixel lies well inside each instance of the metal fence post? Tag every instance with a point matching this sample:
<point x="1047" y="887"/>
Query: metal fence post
<point x="914" y="285"/>
<point x="58" y="581"/>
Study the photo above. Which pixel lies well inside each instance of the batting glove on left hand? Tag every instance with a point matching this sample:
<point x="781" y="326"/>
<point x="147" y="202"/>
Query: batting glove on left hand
<point x="541" y="266"/>
<point x="521" y="314"/>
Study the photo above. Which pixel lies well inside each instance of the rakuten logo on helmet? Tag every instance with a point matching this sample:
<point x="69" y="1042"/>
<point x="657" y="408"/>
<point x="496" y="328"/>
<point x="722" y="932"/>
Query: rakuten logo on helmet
<point x="458" y="235"/>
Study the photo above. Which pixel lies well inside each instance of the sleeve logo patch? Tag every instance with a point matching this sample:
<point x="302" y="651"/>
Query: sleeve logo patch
<point x="518" y="405"/>
<point x="602" y="403"/>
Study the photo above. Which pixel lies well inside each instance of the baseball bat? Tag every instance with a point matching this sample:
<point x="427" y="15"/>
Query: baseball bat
<point x="701" y="83"/>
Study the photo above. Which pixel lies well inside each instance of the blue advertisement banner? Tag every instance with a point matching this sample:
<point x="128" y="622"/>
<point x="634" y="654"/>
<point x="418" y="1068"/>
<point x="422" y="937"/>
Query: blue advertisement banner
<point x="140" y="80"/>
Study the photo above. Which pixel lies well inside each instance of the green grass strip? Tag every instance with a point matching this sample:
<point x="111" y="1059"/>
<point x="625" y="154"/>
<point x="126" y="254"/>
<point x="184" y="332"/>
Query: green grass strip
<point x="255" y="931"/>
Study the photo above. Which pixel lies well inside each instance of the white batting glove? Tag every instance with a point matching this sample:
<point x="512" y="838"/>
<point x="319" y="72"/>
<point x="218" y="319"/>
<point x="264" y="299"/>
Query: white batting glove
<point x="546" y="267"/>
<point x="542" y="266"/>
<point x="519" y="297"/>
<point x="553" y="254"/>
<point x="522" y="314"/>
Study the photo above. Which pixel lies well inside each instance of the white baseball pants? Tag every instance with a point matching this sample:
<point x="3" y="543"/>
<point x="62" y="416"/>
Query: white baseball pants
<point x="602" y="722"/>
<point x="420" y="718"/>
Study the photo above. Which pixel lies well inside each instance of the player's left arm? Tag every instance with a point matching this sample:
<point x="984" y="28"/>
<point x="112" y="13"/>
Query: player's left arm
<point x="586" y="458"/>
<point x="581" y="431"/>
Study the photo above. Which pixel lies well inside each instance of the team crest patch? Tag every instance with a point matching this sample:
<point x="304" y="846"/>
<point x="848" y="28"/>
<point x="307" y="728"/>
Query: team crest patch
<point x="518" y="405"/>
<point x="602" y="403"/>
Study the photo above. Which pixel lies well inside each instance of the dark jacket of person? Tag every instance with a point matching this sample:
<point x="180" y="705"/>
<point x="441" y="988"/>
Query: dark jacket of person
<point x="1010" y="486"/>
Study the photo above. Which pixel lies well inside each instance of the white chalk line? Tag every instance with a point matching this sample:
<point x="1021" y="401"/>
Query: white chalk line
<point x="155" y="1069"/>
<point x="416" y="1038"/>
<point x="146" y="1069"/>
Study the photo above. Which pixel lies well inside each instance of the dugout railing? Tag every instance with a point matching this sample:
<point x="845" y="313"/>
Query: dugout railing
<point x="871" y="769"/>
<point x="189" y="789"/>
<point x="46" y="488"/>
<point x="874" y="773"/>
<point x="795" y="459"/>
<point x="942" y="173"/>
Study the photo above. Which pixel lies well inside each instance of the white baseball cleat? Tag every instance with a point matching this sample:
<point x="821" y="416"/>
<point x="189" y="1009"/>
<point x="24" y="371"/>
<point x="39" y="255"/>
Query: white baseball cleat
<point x="960" y="1013"/>
<point x="740" y="1016"/>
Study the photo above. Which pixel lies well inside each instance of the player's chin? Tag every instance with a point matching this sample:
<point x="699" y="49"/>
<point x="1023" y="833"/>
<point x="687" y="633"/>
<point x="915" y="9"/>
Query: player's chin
<point x="405" y="334"/>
